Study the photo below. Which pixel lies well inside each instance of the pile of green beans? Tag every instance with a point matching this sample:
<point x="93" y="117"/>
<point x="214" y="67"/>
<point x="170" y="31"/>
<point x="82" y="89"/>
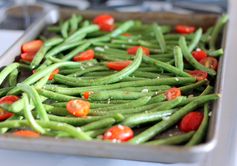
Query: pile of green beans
<point x="134" y="97"/>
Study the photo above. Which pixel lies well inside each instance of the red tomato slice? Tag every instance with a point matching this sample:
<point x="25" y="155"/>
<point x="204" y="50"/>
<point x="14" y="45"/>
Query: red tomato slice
<point x="78" y="108"/>
<point x="118" y="65"/>
<point x="127" y="34"/>
<point x="7" y="100"/>
<point x="28" y="56"/>
<point x="118" y="134"/>
<point x="56" y="71"/>
<point x="210" y="62"/>
<point x="184" y="29"/>
<point x="133" y="50"/>
<point x="104" y="19"/>
<point x="107" y="27"/>
<point x="84" y="56"/>
<point x="199" y="74"/>
<point x="191" y="121"/>
<point x="87" y="94"/>
<point x="32" y="46"/>
<point x="199" y="54"/>
<point x="172" y="93"/>
<point x="26" y="133"/>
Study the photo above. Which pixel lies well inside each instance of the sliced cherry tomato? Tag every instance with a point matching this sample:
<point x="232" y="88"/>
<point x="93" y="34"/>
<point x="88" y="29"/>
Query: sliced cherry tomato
<point x="78" y="108"/>
<point x="210" y="62"/>
<point x="8" y="99"/>
<point x="199" y="54"/>
<point x="87" y="94"/>
<point x="191" y="121"/>
<point x="107" y="27"/>
<point x="184" y="29"/>
<point x="56" y="71"/>
<point x="118" y="134"/>
<point x="28" y="56"/>
<point x="26" y="133"/>
<point x="32" y="46"/>
<point x="104" y="19"/>
<point x="127" y="34"/>
<point x="5" y="115"/>
<point x="133" y="50"/>
<point x="84" y="56"/>
<point x="199" y="74"/>
<point x="118" y="65"/>
<point x="172" y="93"/>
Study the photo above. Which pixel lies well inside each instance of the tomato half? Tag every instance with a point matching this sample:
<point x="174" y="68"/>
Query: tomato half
<point x="7" y="100"/>
<point x="172" y="93"/>
<point x="133" y="50"/>
<point x="199" y="54"/>
<point x="5" y="115"/>
<point x="107" y="27"/>
<point x="199" y="74"/>
<point x="104" y="19"/>
<point x="87" y="94"/>
<point x="84" y="56"/>
<point x="191" y="121"/>
<point x="118" y="65"/>
<point x="118" y="134"/>
<point x="78" y="108"/>
<point x="184" y="29"/>
<point x="28" y="56"/>
<point x="26" y="133"/>
<point x="210" y="62"/>
<point x="56" y="71"/>
<point x="32" y="46"/>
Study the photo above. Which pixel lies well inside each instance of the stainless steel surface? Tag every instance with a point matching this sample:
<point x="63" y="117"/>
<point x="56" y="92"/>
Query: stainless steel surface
<point x="168" y="154"/>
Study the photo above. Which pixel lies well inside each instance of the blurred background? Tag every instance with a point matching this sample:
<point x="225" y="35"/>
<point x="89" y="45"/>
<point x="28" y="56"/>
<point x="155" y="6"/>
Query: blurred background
<point x="19" y="14"/>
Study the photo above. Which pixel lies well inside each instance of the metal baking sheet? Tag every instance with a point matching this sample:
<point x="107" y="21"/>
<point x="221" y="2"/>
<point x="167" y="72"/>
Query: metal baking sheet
<point x="167" y="154"/>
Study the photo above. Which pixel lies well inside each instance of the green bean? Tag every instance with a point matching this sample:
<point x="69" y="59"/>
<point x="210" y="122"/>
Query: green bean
<point x="74" y="22"/>
<point x="102" y="123"/>
<point x="36" y="100"/>
<point x="208" y="90"/>
<point x="151" y="82"/>
<point x="53" y="29"/>
<point x="12" y="79"/>
<point x="7" y="70"/>
<point x="4" y="91"/>
<point x="79" y="72"/>
<point x="217" y="29"/>
<point x="216" y="53"/>
<point x="122" y="28"/>
<point x="29" y="117"/>
<point x="159" y="37"/>
<point x="165" y="66"/>
<point x="200" y="133"/>
<point x="84" y="30"/>
<point x="105" y="80"/>
<point x="60" y="111"/>
<point x="95" y="133"/>
<point x="142" y="118"/>
<point x="14" y="117"/>
<point x="157" y="98"/>
<point x="178" y="57"/>
<point x="54" y="96"/>
<point x="196" y="39"/>
<point x="51" y="125"/>
<point x="206" y="37"/>
<point x="188" y="56"/>
<point x="65" y="29"/>
<point x="172" y="140"/>
<point x="43" y="81"/>
<point x="173" y="119"/>
<point x="145" y="89"/>
<point x="190" y="87"/>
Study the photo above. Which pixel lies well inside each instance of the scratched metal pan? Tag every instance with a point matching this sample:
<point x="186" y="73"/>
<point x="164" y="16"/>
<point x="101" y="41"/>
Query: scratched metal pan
<point x="166" y="154"/>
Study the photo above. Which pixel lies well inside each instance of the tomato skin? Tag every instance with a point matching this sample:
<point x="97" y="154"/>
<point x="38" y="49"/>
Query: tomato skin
<point x="105" y="22"/>
<point x="7" y="100"/>
<point x="107" y="27"/>
<point x="87" y="94"/>
<point x="199" y="55"/>
<point x="199" y="74"/>
<point x="84" y="56"/>
<point x="56" y="71"/>
<point x="118" y="65"/>
<point x="210" y="62"/>
<point x="78" y="108"/>
<point x="118" y="134"/>
<point x="184" y="29"/>
<point x="127" y="34"/>
<point x="172" y="93"/>
<point x="191" y="121"/>
<point x="32" y="46"/>
<point x="133" y="50"/>
<point x="28" y="56"/>
<point x="26" y="133"/>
